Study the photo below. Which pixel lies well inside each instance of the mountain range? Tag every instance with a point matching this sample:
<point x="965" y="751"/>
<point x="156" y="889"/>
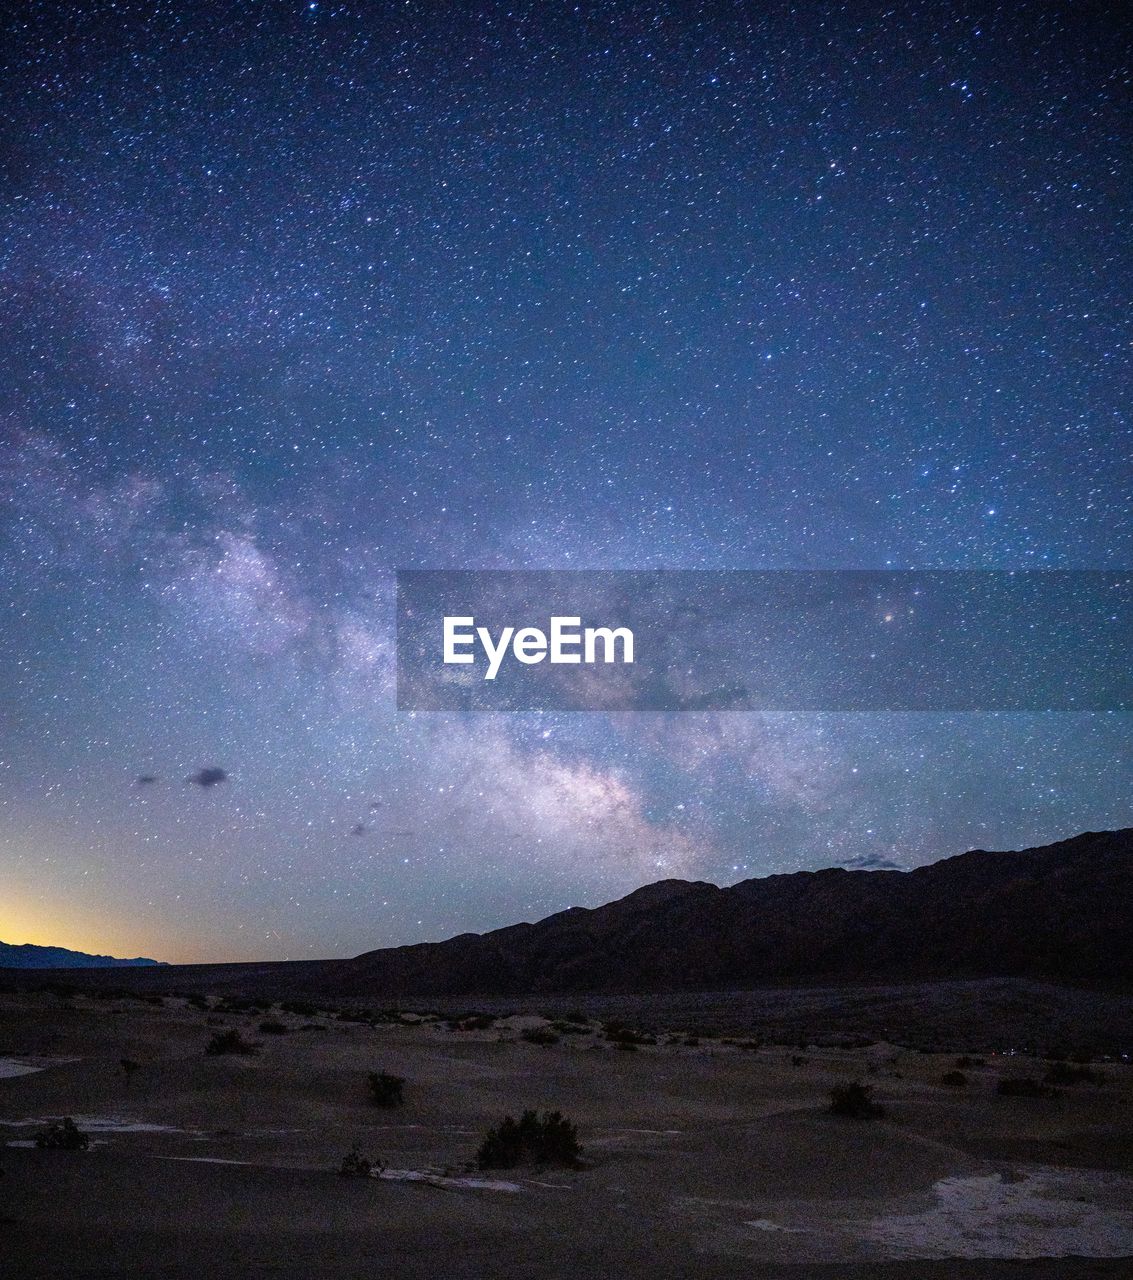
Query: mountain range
<point x="28" y="956"/>
<point x="1061" y="911"/>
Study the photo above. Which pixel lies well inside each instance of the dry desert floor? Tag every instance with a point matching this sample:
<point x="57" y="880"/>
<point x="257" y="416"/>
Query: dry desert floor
<point x="703" y="1156"/>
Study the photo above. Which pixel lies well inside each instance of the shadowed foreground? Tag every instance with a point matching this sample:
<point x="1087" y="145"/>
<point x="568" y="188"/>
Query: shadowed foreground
<point x="713" y="1158"/>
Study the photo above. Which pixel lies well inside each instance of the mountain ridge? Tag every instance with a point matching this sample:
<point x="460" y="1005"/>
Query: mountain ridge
<point x="1062" y="911"/>
<point x="1057" y="910"/>
<point x="28" y="955"/>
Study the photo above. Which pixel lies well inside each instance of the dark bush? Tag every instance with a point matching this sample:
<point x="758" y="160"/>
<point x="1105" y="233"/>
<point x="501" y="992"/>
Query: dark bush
<point x="540" y="1035"/>
<point x="300" y="1008"/>
<point x="1021" y="1087"/>
<point x="355" y="1165"/>
<point x="854" y="1099"/>
<point x="386" y="1090"/>
<point x="627" y="1036"/>
<point x="128" y="1066"/>
<point x="954" y="1079"/>
<point x="965" y="1063"/>
<point x="62" y="1136"/>
<point x="1069" y="1073"/>
<point x="273" y="1028"/>
<point x="242" y="1004"/>
<point x="551" y="1139"/>
<point x="230" y="1041"/>
<point x="473" y="1022"/>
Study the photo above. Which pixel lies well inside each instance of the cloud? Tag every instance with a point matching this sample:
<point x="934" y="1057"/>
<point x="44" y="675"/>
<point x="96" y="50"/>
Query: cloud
<point x="210" y="776"/>
<point x="872" y="862"/>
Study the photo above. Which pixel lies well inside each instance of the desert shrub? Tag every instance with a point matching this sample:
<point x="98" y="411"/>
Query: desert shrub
<point x="273" y="1028"/>
<point x="797" y="1060"/>
<point x="965" y="1063"/>
<point x="576" y="1015"/>
<point x="242" y="1004"/>
<point x="954" y="1079"/>
<point x="550" y="1139"/>
<point x="357" y="1015"/>
<point x="1021" y="1087"/>
<point x="197" y="1001"/>
<point x="300" y="1008"/>
<point x="386" y="1090"/>
<point x="230" y="1041"/>
<point x="570" y="1028"/>
<point x="749" y="1046"/>
<point x="1069" y="1073"/>
<point x="540" y="1035"/>
<point x="692" y="1041"/>
<point x="63" y="1135"/>
<point x="623" y="1036"/>
<point x="128" y="1066"/>
<point x="472" y="1022"/>
<point x="355" y="1165"/>
<point x="854" y="1099"/>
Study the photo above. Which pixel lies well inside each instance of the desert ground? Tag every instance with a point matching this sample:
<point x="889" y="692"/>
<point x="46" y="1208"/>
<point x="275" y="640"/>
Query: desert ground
<point x="704" y="1154"/>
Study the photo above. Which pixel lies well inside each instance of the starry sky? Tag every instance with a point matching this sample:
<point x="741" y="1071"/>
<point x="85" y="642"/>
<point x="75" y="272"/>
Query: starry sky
<point x="298" y="294"/>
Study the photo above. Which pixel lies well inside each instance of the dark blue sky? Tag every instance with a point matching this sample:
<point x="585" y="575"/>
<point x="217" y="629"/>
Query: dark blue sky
<point x="297" y="294"/>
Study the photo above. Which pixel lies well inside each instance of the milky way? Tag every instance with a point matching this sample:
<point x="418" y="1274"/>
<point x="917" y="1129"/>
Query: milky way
<point x="297" y="294"/>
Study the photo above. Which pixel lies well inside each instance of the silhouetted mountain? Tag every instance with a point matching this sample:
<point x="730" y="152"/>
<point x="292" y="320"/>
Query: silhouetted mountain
<point x="1063" y="911"/>
<point x="27" y="956"/>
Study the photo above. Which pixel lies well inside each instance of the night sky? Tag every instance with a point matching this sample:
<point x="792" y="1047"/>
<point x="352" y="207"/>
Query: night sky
<point x="297" y="294"/>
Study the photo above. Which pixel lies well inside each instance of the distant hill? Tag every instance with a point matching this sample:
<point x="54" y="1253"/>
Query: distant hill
<point x="1063" y="911"/>
<point x="28" y="956"/>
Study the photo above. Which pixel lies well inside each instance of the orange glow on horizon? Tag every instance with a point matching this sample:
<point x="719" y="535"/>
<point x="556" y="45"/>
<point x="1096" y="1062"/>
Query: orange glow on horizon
<point x="44" y="925"/>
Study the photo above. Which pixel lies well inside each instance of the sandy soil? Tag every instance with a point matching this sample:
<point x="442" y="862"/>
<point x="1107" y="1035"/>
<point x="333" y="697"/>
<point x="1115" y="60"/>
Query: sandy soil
<point x="707" y="1159"/>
